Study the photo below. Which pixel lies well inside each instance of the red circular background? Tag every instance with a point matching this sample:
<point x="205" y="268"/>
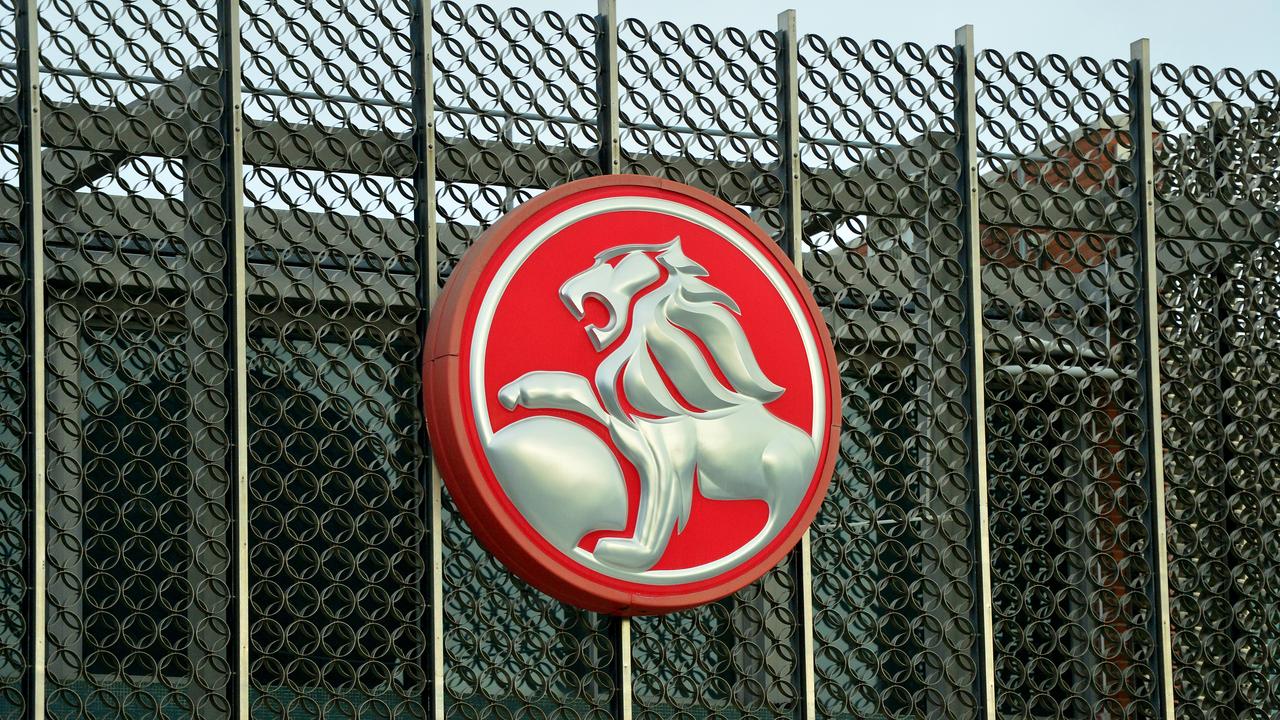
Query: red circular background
<point x="532" y="330"/>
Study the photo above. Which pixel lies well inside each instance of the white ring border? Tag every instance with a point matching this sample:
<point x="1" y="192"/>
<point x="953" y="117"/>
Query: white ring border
<point x="497" y="287"/>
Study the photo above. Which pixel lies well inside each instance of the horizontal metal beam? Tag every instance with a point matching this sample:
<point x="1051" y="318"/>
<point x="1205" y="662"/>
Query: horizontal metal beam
<point x="273" y="234"/>
<point x="872" y="183"/>
<point x="152" y="127"/>
<point x="366" y="260"/>
<point x="70" y="170"/>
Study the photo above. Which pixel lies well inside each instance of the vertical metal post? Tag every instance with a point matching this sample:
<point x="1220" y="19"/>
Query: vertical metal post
<point x="233" y="204"/>
<point x="1141" y="134"/>
<point x="971" y="256"/>
<point x="624" y="668"/>
<point x="427" y="255"/>
<point x="789" y="136"/>
<point x="608" y="126"/>
<point x="31" y="220"/>
<point x="607" y="86"/>
<point x="793" y="246"/>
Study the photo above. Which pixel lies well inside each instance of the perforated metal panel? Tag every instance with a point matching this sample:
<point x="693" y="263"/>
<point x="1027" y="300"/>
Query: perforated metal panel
<point x="895" y="580"/>
<point x="700" y="106"/>
<point x="337" y="505"/>
<point x="138" y="446"/>
<point x="1073" y="551"/>
<point x="1218" y="190"/>
<point x="975" y="233"/>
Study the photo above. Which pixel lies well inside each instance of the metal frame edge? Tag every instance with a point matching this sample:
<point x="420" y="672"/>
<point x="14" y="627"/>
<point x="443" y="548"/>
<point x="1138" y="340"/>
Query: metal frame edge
<point x="1141" y="133"/>
<point x="32" y="258"/>
<point x="789" y="173"/>
<point x="428" y="290"/>
<point x="608" y="122"/>
<point x="971" y="230"/>
<point x="234" y="235"/>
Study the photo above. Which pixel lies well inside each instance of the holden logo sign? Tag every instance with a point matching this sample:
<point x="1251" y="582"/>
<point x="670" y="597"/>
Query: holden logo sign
<point x="631" y="395"/>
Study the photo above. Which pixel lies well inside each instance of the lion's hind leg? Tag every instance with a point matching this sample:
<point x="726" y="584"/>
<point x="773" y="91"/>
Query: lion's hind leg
<point x="787" y="463"/>
<point x="561" y="477"/>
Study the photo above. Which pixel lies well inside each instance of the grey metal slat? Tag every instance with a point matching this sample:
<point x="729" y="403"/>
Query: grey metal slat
<point x="427" y="255"/>
<point x="234" y="235"/>
<point x="967" y="126"/>
<point x="608" y="123"/>
<point x="610" y="159"/>
<point x="793" y="246"/>
<point x="31" y="219"/>
<point x="1141" y="133"/>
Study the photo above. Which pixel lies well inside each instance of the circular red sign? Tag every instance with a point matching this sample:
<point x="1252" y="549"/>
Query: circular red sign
<point x="631" y="395"/>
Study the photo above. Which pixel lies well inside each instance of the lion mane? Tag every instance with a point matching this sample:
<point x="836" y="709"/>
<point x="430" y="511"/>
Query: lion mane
<point x="663" y="366"/>
<point x="692" y="324"/>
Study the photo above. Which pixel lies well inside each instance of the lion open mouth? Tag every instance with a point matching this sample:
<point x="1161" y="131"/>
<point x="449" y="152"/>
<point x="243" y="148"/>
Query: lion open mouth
<point x="614" y="287"/>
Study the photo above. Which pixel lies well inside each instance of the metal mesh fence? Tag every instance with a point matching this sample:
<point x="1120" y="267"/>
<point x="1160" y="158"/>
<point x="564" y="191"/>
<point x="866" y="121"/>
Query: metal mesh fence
<point x="1073" y="551"/>
<point x="337" y="506"/>
<point x="243" y="212"/>
<point x="699" y="106"/>
<point x="138" y="441"/>
<point x="1218" y="184"/>
<point x="895" y="583"/>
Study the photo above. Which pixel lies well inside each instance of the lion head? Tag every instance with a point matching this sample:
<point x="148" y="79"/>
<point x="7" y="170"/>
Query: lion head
<point x="678" y="328"/>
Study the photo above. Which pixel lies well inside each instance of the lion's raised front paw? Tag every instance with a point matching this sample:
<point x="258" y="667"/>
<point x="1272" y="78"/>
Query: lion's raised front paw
<point x="509" y="395"/>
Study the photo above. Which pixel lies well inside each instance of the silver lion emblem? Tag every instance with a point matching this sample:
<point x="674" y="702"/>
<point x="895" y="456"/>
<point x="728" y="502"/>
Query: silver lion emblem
<point x="568" y="483"/>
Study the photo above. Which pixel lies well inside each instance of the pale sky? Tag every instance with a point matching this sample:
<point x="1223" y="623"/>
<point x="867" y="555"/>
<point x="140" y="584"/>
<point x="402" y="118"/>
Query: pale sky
<point x="1244" y="34"/>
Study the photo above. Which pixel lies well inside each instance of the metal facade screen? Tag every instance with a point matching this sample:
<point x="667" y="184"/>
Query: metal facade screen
<point x="1053" y="286"/>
